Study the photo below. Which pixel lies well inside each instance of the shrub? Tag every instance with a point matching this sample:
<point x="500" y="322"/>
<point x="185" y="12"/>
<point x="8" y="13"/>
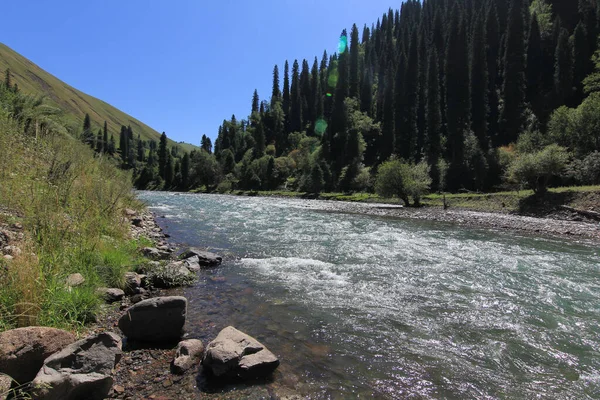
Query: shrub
<point x="534" y="170"/>
<point x="396" y="178"/>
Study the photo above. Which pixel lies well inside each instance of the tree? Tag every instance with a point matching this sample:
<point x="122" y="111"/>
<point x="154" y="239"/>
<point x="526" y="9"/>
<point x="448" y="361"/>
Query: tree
<point x="433" y="143"/>
<point x="206" y="144"/>
<point x="169" y="173"/>
<point x="141" y="153"/>
<point x="535" y="63"/>
<point x="7" y="80"/>
<point x="185" y="171"/>
<point x="581" y="61"/>
<point x="295" y="100"/>
<point x="99" y="143"/>
<point x="354" y="63"/>
<point x="105" y="138"/>
<point x="285" y="105"/>
<point x="87" y="135"/>
<point x="162" y="156"/>
<point x="255" y="101"/>
<point x="276" y="93"/>
<point x="123" y="144"/>
<point x="563" y="69"/>
<point x="111" y="145"/>
<point x="534" y="170"/>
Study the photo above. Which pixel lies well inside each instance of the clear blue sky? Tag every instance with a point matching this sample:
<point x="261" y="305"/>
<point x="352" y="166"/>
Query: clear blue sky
<point x="180" y="66"/>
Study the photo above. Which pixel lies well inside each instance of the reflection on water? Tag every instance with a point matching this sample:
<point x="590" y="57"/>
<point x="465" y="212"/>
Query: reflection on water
<point x="386" y="308"/>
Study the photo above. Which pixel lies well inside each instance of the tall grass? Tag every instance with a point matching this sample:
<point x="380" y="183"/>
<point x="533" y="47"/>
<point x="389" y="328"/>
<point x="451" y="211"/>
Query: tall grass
<point x="70" y="202"/>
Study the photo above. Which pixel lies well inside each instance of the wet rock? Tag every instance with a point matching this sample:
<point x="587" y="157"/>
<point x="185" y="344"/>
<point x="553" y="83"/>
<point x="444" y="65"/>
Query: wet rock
<point x="23" y="350"/>
<point x="187" y="355"/>
<point x="236" y="354"/>
<point x="132" y="283"/>
<point x="159" y="319"/>
<point x="74" y="280"/>
<point x="5" y="384"/>
<point x="82" y="370"/>
<point x="111" y="295"/>
<point x="192" y="264"/>
<point x="205" y="258"/>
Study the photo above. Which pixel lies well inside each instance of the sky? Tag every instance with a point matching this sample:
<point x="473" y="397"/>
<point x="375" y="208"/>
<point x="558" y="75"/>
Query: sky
<point x="180" y="66"/>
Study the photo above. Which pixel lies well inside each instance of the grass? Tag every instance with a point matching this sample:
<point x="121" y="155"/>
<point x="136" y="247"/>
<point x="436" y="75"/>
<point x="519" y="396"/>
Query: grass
<point x="34" y="80"/>
<point x="70" y="203"/>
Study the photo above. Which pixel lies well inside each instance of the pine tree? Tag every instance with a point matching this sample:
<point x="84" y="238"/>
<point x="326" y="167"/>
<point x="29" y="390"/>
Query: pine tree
<point x="99" y="142"/>
<point x="389" y="131"/>
<point x="354" y="63"/>
<point x="87" y="135"/>
<point x="112" y="145"/>
<point x="563" y="69"/>
<point x="433" y="142"/>
<point x="141" y="154"/>
<point x="185" y="171"/>
<point x="305" y="94"/>
<point x="259" y="140"/>
<point x="513" y="91"/>
<point x="338" y="113"/>
<point x="458" y="100"/>
<point x="366" y="93"/>
<point x="581" y="61"/>
<point x="162" y="156"/>
<point x="168" y="171"/>
<point x="411" y="107"/>
<point x="315" y="89"/>
<point x="205" y="144"/>
<point x="295" y="100"/>
<point x="105" y="138"/>
<point x="402" y="139"/>
<point x="535" y="64"/>
<point x="123" y="144"/>
<point x="286" y="101"/>
<point x="492" y="35"/>
<point x="7" y="80"/>
<point x="276" y="93"/>
<point x="255" y="101"/>
<point x="479" y="84"/>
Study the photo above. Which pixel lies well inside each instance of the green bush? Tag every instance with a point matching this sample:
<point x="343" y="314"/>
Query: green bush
<point x="534" y="170"/>
<point x="396" y="178"/>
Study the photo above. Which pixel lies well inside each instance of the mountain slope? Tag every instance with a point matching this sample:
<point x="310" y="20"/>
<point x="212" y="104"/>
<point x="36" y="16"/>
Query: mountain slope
<point x="34" y="80"/>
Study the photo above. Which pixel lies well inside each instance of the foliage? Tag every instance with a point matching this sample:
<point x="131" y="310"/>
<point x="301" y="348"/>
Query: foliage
<point x="534" y="170"/>
<point x="400" y="179"/>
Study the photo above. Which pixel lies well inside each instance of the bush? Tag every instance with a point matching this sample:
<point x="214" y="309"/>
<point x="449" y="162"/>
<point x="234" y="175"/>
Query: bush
<point x="586" y="171"/>
<point x="534" y="170"/>
<point x="396" y="178"/>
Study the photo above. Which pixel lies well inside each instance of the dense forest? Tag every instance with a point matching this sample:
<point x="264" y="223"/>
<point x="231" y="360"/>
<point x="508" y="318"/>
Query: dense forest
<point x="440" y="95"/>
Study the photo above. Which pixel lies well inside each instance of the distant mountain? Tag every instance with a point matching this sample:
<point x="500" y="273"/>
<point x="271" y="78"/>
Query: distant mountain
<point x="32" y="79"/>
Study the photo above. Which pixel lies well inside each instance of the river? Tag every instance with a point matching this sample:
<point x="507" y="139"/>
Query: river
<point x="363" y="306"/>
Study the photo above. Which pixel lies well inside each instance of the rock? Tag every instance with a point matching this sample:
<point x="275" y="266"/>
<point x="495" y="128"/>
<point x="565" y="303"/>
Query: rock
<point x="132" y="283"/>
<point x="3" y="238"/>
<point x="23" y="350"/>
<point x="5" y="384"/>
<point x="75" y="280"/>
<point x="205" y="258"/>
<point x="155" y="254"/>
<point x="159" y="319"/>
<point x="192" y="264"/>
<point x="129" y="212"/>
<point x="187" y="355"/>
<point x="137" y="222"/>
<point x="82" y="370"/>
<point x="12" y="251"/>
<point x="17" y="225"/>
<point x="236" y="354"/>
<point x="111" y="295"/>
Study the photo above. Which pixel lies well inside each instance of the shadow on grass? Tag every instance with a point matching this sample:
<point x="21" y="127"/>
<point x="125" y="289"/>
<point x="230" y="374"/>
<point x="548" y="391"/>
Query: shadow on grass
<point x="542" y="205"/>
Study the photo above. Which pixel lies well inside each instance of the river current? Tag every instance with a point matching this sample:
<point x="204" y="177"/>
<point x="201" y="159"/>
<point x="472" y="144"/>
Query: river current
<point x="361" y="306"/>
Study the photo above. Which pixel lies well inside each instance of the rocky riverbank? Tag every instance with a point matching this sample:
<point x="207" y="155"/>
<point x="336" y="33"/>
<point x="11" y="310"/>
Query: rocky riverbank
<point x="138" y="348"/>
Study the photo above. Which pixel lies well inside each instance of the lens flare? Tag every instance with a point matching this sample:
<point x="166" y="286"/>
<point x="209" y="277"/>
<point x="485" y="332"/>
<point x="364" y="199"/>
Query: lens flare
<point x="343" y="44"/>
<point x="320" y="126"/>
<point x="333" y="78"/>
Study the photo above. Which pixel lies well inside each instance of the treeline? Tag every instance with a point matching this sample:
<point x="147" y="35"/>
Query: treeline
<point x="453" y="84"/>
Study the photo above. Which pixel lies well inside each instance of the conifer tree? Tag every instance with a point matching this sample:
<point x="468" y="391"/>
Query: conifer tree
<point x="479" y="84"/>
<point x="162" y="155"/>
<point x="366" y="93"/>
<point x="411" y="106"/>
<point x="402" y="139"/>
<point x="168" y="171"/>
<point x="276" y="93"/>
<point x="389" y="132"/>
<point x="285" y="105"/>
<point x="87" y="135"/>
<point x="581" y="61"/>
<point x="457" y="97"/>
<point x="259" y="140"/>
<point x="305" y="94"/>
<point x="99" y="142"/>
<point x="535" y="64"/>
<point x="563" y="69"/>
<point x="513" y="91"/>
<point x="354" y="63"/>
<point x="7" y="80"/>
<point x="205" y="144"/>
<point x="492" y="35"/>
<point x="112" y="145"/>
<point x="295" y="100"/>
<point x="185" y="171"/>
<point x="317" y="101"/>
<point x="255" y="101"/>
<point x="141" y="154"/>
<point x="123" y="144"/>
<point x="433" y="142"/>
<point x="105" y="138"/>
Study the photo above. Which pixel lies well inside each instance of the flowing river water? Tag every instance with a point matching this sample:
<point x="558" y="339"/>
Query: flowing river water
<point x="361" y="306"/>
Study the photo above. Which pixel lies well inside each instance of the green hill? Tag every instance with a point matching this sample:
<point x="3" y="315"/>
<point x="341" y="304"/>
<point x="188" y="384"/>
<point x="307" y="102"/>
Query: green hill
<point x="34" y="80"/>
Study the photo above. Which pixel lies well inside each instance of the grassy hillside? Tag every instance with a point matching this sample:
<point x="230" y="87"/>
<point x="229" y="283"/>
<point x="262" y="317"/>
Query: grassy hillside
<point x="34" y="80"/>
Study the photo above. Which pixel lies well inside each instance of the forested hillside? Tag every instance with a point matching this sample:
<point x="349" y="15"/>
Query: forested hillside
<point x="460" y="95"/>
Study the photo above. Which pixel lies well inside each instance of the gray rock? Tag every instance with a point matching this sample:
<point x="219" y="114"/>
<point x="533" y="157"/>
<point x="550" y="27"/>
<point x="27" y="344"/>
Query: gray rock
<point x="192" y="264"/>
<point x="5" y="384"/>
<point x="74" y="280"/>
<point x="187" y="355"/>
<point x="155" y="254"/>
<point x="132" y="283"/>
<point x="23" y="350"/>
<point x="82" y="370"/>
<point x="205" y="258"/>
<point x="129" y="212"/>
<point x="159" y="319"/>
<point x="12" y="251"/>
<point x="111" y="295"/>
<point x="236" y="354"/>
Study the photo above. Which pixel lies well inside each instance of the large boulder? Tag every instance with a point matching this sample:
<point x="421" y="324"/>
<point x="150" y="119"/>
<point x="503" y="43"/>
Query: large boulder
<point x="5" y="385"/>
<point x="111" y="295"/>
<point x="159" y="319"/>
<point x="82" y="370"/>
<point x="187" y="355"/>
<point x="204" y="258"/>
<point x="155" y="254"/>
<point x="74" y="280"/>
<point x="23" y="350"/>
<point x="238" y="355"/>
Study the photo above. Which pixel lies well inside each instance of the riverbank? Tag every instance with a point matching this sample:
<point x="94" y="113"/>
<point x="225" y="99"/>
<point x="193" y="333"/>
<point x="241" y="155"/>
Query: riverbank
<point x="559" y="213"/>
